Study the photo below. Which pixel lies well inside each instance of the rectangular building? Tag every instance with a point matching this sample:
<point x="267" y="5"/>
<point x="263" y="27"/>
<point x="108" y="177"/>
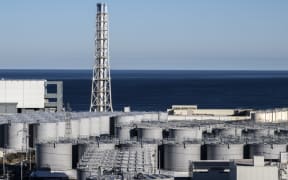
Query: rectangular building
<point x="30" y="95"/>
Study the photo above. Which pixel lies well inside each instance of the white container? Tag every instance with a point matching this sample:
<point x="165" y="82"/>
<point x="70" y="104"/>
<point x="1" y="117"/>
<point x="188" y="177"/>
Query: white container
<point x="150" y="133"/>
<point x="94" y="126"/>
<point x="17" y="136"/>
<point x="46" y="131"/>
<point x="104" y="124"/>
<point x="56" y="156"/>
<point x="84" y="129"/>
<point x="75" y="129"/>
<point x="185" y="134"/>
<point x="225" y="151"/>
<point x="177" y="157"/>
<point x="61" y="127"/>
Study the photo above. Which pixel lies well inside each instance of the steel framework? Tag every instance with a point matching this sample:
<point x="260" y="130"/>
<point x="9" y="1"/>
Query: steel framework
<point x="101" y="100"/>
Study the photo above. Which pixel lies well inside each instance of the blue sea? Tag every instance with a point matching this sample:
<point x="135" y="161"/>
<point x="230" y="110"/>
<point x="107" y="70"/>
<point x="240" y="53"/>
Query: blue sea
<point x="157" y="90"/>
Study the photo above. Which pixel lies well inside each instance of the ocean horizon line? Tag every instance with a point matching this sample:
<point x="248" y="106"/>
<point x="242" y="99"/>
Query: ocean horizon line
<point x="212" y="70"/>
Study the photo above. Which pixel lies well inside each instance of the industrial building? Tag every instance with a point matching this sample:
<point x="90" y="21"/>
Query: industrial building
<point x="30" y="95"/>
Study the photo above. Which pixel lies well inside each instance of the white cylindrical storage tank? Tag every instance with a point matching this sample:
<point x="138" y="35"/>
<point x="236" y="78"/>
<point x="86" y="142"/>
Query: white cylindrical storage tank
<point x="75" y="129"/>
<point x="46" y="131"/>
<point x="84" y="129"/>
<point x="177" y="157"/>
<point x="138" y="118"/>
<point x="56" y="156"/>
<point x="185" y="134"/>
<point x="123" y="133"/>
<point x="269" y="151"/>
<point x="225" y="151"/>
<point x="94" y="126"/>
<point x="154" y="116"/>
<point x="17" y="136"/>
<point x="104" y="124"/>
<point x="150" y="133"/>
<point x="124" y="120"/>
<point x="231" y="131"/>
<point x="61" y="128"/>
<point x="147" y="117"/>
<point x="163" y="116"/>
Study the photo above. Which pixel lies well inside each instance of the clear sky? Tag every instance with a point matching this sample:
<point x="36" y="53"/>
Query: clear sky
<point x="147" y="34"/>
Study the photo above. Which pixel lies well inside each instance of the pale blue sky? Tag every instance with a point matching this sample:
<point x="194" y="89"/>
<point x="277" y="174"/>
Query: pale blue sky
<point x="147" y="34"/>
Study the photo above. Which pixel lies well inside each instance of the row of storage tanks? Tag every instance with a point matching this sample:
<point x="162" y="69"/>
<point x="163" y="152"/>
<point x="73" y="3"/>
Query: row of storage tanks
<point x="17" y="134"/>
<point x="171" y="156"/>
<point x="177" y="157"/>
<point x="179" y="134"/>
<point x="20" y="134"/>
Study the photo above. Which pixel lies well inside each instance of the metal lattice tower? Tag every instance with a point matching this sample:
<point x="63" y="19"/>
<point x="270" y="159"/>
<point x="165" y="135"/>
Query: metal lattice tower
<point x="101" y="100"/>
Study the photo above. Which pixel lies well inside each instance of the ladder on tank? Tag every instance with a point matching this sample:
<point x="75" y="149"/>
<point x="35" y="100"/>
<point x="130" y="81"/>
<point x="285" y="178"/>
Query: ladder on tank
<point x="68" y="125"/>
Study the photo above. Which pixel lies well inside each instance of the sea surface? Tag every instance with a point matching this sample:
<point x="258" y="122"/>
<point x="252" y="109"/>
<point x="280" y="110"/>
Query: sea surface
<point x="145" y="90"/>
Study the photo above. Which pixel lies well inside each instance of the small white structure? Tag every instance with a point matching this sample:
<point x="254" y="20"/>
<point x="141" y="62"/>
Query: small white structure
<point x="256" y="171"/>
